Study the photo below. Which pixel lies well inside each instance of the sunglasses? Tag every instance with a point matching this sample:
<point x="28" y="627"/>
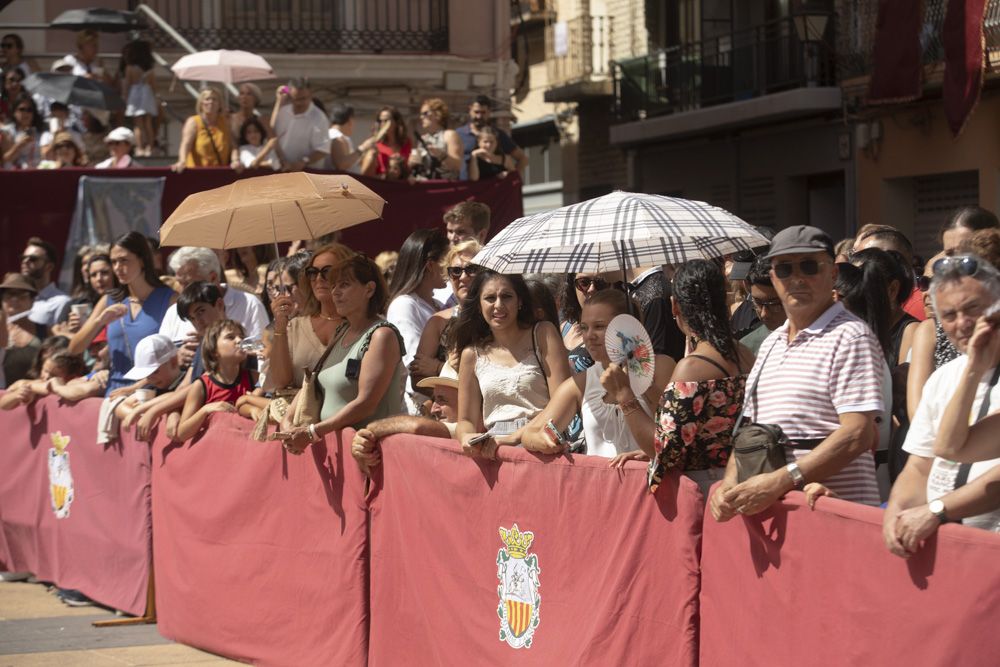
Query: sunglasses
<point x="806" y="267"/>
<point x="279" y="290"/>
<point x="426" y="114"/>
<point x="769" y="303"/>
<point x="455" y="272"/>
<point x="312" y="273"/>
<point x="967" y="265"/>
<point x="923" y="283"/>
<point x="30" y="259"/>
<point x="584" y="284"/>
<point x="6" y="45"/>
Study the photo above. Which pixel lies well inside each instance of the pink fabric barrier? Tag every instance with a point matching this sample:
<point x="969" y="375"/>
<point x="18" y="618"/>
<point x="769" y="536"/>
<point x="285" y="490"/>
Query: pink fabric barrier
<point x="801" y="587"/>
<point x="260" y="555"/>
<point x="610" y="574"/>
<point x="79" y="517"/>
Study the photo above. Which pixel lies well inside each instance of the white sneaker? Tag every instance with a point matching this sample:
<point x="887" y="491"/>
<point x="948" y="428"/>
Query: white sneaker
<point x="14" y="576"/>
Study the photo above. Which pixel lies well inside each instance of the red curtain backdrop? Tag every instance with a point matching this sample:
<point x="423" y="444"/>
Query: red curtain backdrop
<point x="618" y="569"/>
<point x="896" y="55"/>
<point x="964" y="60"/>
<point x="801" y="587"/>
<point x="261" y="556"/>
<point x="41" y="203"/>
<point x="103" y="546"/>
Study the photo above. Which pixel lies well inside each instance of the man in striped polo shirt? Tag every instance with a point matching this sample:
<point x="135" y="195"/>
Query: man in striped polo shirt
<point x="820" y="381"/>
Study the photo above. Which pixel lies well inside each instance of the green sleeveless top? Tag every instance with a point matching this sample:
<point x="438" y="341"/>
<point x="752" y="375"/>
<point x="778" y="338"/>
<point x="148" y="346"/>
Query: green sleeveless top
<point x="339" y="389"/>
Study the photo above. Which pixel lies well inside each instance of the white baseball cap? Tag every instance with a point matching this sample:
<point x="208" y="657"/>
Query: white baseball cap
<point x="447" y="378"/>
<point x="120" y="134"/>
<point x="151" y="353"/>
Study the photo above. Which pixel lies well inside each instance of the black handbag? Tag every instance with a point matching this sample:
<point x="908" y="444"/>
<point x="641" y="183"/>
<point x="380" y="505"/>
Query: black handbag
<point x="757" y="448"/>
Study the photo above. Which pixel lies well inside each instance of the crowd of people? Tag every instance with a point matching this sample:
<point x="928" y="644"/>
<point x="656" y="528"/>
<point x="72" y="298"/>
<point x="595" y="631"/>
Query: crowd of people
<point x="862" y="359"/>
<point x="40" y="133"/>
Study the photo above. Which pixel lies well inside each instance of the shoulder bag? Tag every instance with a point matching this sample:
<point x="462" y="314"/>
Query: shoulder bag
<point x="757" y="448"/>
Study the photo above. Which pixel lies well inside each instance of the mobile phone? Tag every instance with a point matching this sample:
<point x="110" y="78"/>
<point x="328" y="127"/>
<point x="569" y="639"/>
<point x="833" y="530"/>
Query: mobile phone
<point x="555" y="434"/>
<point x="481" y="438"/>
<point x="740" y="271"/>
<point x="353" y="371"/>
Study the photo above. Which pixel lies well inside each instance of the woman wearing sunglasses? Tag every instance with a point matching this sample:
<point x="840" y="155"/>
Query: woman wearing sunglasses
<point x="436" y="342"/>
<point x="579" y="288"/>
<point x="411" y="293"/>
<point x="299" y="342"/>
<point x="362" y="374"/>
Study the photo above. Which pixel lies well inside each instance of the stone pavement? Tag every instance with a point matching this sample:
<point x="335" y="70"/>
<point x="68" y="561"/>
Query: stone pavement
<point x="37" y="630"/>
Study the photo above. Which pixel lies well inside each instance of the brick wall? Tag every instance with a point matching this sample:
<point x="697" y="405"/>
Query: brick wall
<point x="600" y="165"/>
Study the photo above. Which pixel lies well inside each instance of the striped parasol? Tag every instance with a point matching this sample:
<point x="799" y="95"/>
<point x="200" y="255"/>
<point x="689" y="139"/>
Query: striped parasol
<point x="619" y="231"/>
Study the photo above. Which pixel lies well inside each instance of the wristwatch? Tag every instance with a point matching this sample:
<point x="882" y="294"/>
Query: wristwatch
<point x="936" y="508"/>
<point x="796" y="474"/>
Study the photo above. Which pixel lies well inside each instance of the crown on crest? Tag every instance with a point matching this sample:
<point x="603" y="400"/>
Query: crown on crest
<point x="516" y="541"/>
<point x="59" y="441"/>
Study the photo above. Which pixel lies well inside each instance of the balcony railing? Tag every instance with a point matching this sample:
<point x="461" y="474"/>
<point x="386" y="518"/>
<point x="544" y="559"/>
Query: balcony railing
<point x="302" y="26"/>
<point x="857" y="26"/>
<point x="578" y="50"/>
<point x="739" y="65"/>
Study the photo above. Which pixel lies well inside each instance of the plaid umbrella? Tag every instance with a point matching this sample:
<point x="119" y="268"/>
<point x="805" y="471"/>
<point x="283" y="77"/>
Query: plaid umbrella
<point x="619" y="231"/>
<point x="72" y="89"/>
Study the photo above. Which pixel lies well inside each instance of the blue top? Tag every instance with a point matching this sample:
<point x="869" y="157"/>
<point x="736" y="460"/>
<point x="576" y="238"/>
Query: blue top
<point x="147" y="323"/>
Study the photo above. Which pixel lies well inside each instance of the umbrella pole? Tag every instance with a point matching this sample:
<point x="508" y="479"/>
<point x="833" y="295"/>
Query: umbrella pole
<point x="627" y="288"/>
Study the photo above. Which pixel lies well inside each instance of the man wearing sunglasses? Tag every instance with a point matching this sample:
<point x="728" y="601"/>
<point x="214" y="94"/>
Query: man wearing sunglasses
<point x="820" y="380"/>
<point x="38" y="261"/>
<point x="933" y="490"/>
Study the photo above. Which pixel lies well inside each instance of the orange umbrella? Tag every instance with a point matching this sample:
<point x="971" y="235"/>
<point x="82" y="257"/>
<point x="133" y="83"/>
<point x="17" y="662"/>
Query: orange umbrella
<point x="271" y="209"/>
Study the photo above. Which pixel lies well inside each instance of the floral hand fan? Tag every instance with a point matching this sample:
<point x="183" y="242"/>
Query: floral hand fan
<point x="628" y="344"/>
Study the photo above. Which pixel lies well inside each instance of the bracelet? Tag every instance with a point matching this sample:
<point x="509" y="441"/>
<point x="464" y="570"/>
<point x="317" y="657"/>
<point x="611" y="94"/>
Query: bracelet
<point x="630" y="406"/>
<point x="278" y="333"/>
<point x="312" y="433"/>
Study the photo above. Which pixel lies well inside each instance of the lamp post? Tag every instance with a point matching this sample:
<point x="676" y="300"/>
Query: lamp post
<point x="809" y="29"/>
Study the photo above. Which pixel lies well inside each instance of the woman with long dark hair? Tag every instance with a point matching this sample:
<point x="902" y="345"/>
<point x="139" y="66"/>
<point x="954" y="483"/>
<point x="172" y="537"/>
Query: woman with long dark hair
<point x="392" y="143"/>
<point x="131" y="311"/>
<point x="411" y="293"/>
<point x="22" y="150"/>
<point x="511" y="364"/>
<point x="699" y="406"/>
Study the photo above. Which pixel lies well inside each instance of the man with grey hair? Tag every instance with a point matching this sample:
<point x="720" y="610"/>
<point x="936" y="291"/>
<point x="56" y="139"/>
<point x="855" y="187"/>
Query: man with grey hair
<point x="931" y="490"/>
<point x="190" y="264"/>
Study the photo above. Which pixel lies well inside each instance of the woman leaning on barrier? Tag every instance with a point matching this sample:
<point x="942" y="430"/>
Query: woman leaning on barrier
<point x="615" y="420"/>
<point x="362" y="374"/>
<point x="511" y="364"/>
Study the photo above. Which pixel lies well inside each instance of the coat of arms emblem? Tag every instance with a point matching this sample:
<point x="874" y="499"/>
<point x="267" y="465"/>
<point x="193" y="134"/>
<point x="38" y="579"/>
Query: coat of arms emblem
<point x="518" y="590"/>
<point x="60" y="477"/>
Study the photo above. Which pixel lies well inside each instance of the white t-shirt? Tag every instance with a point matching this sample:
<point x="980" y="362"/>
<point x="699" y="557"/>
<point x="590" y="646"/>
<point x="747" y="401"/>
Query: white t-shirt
<point x="409" y="313"/>
<point x="300" y="135"/>
<point x="938" y="390"/>
<point x="249" y="153"/>
<point x="241" y="306"/>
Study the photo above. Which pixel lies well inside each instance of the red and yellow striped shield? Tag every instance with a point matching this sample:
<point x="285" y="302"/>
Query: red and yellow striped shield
<point x="518" y="616"/>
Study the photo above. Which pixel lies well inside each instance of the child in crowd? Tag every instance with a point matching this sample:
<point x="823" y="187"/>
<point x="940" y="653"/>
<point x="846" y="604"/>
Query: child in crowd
<point x="487" y="161"/>
<point x="224" y="382"/>
<point x="58" y="369"/>
<point x="255" y="152"/>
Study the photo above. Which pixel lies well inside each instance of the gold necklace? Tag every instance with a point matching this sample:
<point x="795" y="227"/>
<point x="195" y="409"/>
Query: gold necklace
<point x="328" y="318"/>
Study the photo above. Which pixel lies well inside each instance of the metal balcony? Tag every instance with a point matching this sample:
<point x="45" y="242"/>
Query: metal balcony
<point x="788" y="53"/>
<point x="577" y="58"/>
<point x="306" y="26"/>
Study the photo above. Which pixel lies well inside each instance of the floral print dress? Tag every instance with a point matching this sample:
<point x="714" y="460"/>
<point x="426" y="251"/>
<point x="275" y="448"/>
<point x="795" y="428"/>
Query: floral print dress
<point x="694" y="425"/>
